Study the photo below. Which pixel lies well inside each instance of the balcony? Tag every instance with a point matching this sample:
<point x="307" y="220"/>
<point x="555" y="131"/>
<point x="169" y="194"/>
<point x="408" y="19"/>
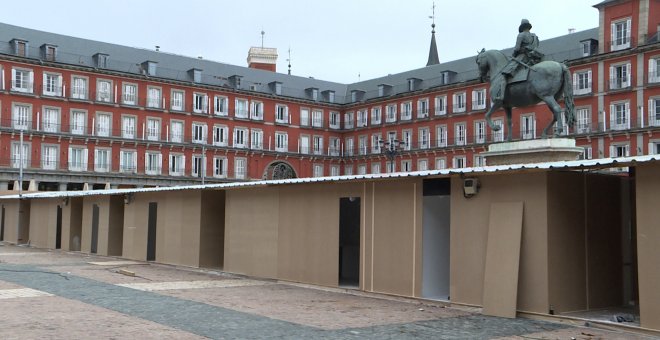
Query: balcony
<point x="620" y="43"/>
<point x="582" y="89"/>
<point x="620" y="83"/>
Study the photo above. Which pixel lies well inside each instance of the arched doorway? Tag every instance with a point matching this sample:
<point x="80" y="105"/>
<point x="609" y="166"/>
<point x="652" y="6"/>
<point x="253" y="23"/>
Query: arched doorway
<point x="279" y="170"/>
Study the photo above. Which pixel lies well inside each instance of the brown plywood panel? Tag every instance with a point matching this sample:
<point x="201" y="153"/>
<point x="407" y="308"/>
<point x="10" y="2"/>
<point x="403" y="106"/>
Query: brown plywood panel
<point x="212" y="229"/>
<point x="648" y="243"/>
<point x="502" y="259"/>
<point x="43" y="222"/>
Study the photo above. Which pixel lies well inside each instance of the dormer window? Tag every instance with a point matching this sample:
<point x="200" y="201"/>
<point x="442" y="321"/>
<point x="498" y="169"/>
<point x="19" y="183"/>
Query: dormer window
<point x="313" y="93"/>
<point x="620" y="34"/>
<point x="447" y="77"/>
<point x="20" y="47"/>
<point x="101" y="60"/>
<point x="384" y="90"/>
<point x="196" y="75"/>
<point x="151" y="66"/>
<point x="276" y="88"/>
<point x="413" y="84"/>
<point x="356" y="95"/>
<point x="329" y="96"/>
<point x="235" y="81"/>
<point x="48" y="52"/>
<point x="588" y="47"/>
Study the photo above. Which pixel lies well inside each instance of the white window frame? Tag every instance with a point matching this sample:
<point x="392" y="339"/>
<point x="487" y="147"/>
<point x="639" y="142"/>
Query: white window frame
<point x="177" y="164"/>
<point x="220" y="105"/>
<point x="654" y="111"/>
<point x="479" y="99"/>
<point x="348" y="120"/>
<point x="240" y="138"/>
<point x="220" y="167"/>
<point x="256" y="110"/>
<point x="390" y="113"/>
<point x="620" y="34"/>
<point x="317" y="170"/>
<point x="654" y="70"/>
<point x="441" y="163"/>
<point x="424" y="138"/>
<point x="620" y="116"/>
<point x="16" y="155"/>
<point x="375" y="143"/>
<point x="128" y="127"/>
<point x="460" y="134"/>
<point x="78" y="122"/>
<point x="528" y="126"/>
<point x="441" y="136"/>
<point x="406" y="110"/>
<point x="349" y="146"/>
<point x="21" y="116"/>
<point x="362" y="118"/>
<point x="440" y="105"/>
<point x="583" y="120"/>
<point x="317" y="118"/>
<point x="177" y="128"/>
<point x="422" y="164"/>
<point x="459" y="162"/>
<point x="616" y="149"/>
<point x="177" y="100"/>
<point x="256" y="139"/>
<point x="153" y="163"/>
<point x="459" y="102"/>
<point x="317" y="145"/>
<point x="303" y="144"/>
<point x="480" y="135"/>
<point x="241" y="108"/>
<point x="49" y="154"/>
<point x="128" y="161"/>
<point x="22" y="80"/>
<point x="281" y="141"/>
<point x="240" y="168"/>
<point x="200" y="102"/>
<point x="154" y="97"/>
<point x="199" y="132"/>
<point x="50" y="121"/>
<point x="362" y="169"/>
<point x="153" y="128"/>
<point x="281" y="114"/>
<point x="582" y="82"/>
<point x="104" y="166"/>
<point x="498" y="136"/>
<point x="52" y="84"/>
<point x="77" y="164"/>
<point x="129" y="94"/>
<point x="423" y="108"/>
<point x="304" y="116"/>
<point x="220" y="135"/>
<point x="335" y="120"/>
<point x="620" y="76"/>
<point x="79" y="87"/>
<point x="104" y="91"/>
<point x="103" y="124"/>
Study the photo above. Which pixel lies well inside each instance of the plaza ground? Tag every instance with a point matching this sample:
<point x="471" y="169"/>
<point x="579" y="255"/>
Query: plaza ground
<point x="56" y="294"/>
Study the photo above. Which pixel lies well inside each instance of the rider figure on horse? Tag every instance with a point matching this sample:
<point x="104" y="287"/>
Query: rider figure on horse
<point x="525" y="53"/>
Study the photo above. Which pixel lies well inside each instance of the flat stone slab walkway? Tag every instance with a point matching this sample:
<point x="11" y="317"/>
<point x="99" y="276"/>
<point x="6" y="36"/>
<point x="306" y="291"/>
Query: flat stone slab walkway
<point x="53" y="294"/>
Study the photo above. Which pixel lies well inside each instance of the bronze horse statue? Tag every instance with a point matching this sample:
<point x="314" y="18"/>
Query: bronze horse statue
<point x="548" y="81"/>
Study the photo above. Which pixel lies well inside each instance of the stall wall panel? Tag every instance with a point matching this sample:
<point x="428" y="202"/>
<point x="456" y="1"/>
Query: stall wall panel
<point x="103" y="203"/>
<point x="72" y="224"/>
<point x="212" y="229"/>
<point x="43" y="222"/>
<point x="308" y="236"/>
<point x="469" y="234"/>
<point x="396" y="263"/>
<point x="251" y="230"/>
<point x="566" y="242"/>
<point x="648" y="241"/>
<point x="116" y="226"/>
<point x="136" y="213"/>
<point x="177" y="231"/>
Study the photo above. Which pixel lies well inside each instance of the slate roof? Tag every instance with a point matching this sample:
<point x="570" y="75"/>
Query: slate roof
<point x="80" y="52"/>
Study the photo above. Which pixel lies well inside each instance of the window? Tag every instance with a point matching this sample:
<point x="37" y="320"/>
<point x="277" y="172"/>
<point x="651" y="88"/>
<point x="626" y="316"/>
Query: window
<point x="479" y="161"/>
<point x="103" y="121"/>
<point x="198" y="166"/>
<point x="362" y="145"/>
<point x="620" y="76"/>
<point x="586" y="153"/>
<point x="197" y="76"/>
<point x="240" y="168"/>
<point x="390" y="166"/>
<point x="220" y="135"/>
<point x="317" y="118"/>
<point x="440" y="163"/>
<point x="281" y="114"/>
<point x="620" y="116"/>
<point x="406" y="165"/>
<point x="51" y="119"/>
<point x="362" y="169"/>
<point x="77" y="159"/>
<point x="586" y="48"/>
<point x="349" y="146"/>
<point x="407" y="138"/>
<point x="20" y="157"/>
<point x="22" y="117"/>
<point x="177" y="164"/>
<point x="221" y="105"/>
<point x="303" y="147"/>
<point x="220" y="167"/>
<point x="391" y="113"/>
<point x="619" y="150"/>
<point x="78" y="88"/>
<point x="129" y="94"/>
<point x="128" y="127"/>
<point x="528" y="127"/>
<point x="104" y="91"/>
<point x="20" y="47"/>
<point x="459" y="102"/>
<point x="256" y="139"/>
<point x="154" y="98"/>
<point x="423" y="108"/>
<point x="362" y="118"/>
<point x="459" y="162"/>
<point x="375" y="143"/>
<point x="583" y="120"/>
<point x="52" y="84"/>
<point x="498" y="136"/>
<point x="334" y="120"/>
<point x="654" y="70"/>
<point x="334" y="146"/>
<point x="153" y="129"/>
<point x="480" y="132"/>
<point x="153" y="163"/>
<point x="304" y="117"/>
<point x="406" y="111"/>
<point x="318" y="145"/>
<point x="176" y="131"/>
<point x="102" y="160"/>
<point x="422" y="165"/>
<point x="461" y="134"/>
<point x="22" y="80"/>
<point x="318" y="170"/>
<point x="50" y="52"/>
<point x="440" y="105"/>
<point x="49" y="157"/>
<point x="200" y="103"/>
<point x="241" y="109"/>
<point x="257" y="110"/>
<point x="281" y="142"/>
<point x="654" y="148"/>
<point x="199" y="133"/>
<point x="348" y="169"/>
<point x="101" y="60"/>
<point x="620" y="34"/>
<point x="654" y="112"/>
<point x="375" y="168"/>
<point x="582" y="82"/>
<point x="348" y="120"/>
<point x="240" y="138"/>
<point x="78" y="119"/>
<point x="334" y="170"/>
<point x="479" y="99"/>
<point x="177" y="100"/>
<point x="424" y="137"/>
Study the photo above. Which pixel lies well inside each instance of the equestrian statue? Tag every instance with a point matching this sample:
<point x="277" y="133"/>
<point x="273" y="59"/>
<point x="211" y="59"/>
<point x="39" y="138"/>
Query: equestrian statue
<point x="525" y="79"/>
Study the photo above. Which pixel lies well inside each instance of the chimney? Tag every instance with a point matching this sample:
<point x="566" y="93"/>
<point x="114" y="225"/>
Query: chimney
<point x="263" y="58"/>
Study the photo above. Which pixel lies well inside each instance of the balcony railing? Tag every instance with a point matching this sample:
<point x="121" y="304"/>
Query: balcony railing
<point x="620" y="83"/>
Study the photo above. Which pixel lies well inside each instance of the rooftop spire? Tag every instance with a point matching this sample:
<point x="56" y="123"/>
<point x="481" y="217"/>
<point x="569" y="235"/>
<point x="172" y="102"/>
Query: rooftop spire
<point x="433" y="50"/>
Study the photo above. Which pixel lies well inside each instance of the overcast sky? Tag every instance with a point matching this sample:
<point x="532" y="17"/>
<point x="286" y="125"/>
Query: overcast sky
<point x="334" y="40"/>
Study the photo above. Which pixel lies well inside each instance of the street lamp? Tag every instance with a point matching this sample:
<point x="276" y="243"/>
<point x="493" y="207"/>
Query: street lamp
<point x="391" y="147"/>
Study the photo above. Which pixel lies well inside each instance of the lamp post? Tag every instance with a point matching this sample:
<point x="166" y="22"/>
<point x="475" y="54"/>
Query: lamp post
<point x="391" y="148"/>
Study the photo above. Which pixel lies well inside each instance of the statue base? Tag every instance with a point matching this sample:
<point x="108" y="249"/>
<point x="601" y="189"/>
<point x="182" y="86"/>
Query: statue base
<point x="532" y="151"/>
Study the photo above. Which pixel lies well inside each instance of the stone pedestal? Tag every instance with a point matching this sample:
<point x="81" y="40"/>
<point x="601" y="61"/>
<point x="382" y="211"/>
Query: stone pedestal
<point x="532" y="151"/>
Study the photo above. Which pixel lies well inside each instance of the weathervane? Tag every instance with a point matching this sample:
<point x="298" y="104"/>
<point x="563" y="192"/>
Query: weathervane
<point x="432" y="17"/>
<point x="289" y="60"/>
<point x="262" y="37"/>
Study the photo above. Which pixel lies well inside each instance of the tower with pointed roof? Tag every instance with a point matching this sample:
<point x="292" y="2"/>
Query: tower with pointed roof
<point x="433" y="50"/>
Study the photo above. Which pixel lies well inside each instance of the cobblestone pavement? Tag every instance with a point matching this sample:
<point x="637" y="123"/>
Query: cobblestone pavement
<point x="61" y="295"/>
